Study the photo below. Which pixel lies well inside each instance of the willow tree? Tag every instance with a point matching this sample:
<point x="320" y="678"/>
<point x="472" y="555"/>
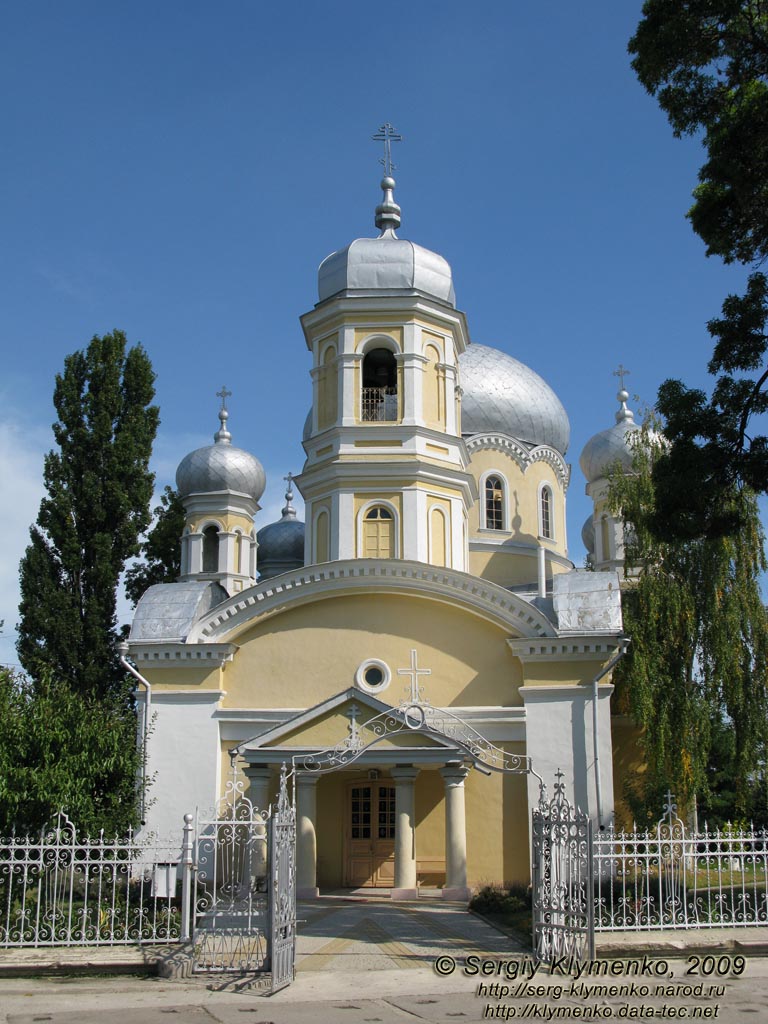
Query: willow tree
<point x="695" y="676"/>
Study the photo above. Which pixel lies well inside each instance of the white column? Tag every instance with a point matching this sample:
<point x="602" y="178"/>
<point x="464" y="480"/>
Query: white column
<point x="404" y="778"/>
<point x="455" y="833"/>
<point x="258" y="793"/>
<point x="306" y="838"/>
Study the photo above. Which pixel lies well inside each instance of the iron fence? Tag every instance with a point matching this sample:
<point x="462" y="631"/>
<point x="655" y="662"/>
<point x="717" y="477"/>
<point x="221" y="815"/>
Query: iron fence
<point x="672" y="877"/>
<point x="58" y="888"/>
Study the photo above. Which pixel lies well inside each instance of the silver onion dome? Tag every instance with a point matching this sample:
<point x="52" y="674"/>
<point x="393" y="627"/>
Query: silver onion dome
<point x="281" y="544"/>
<point x="220" y="467"/>
<point x="502" y="394"/>
<point x="612" y="446"/>
<point x="588" y="535"/>
<point x="387" y="264"/>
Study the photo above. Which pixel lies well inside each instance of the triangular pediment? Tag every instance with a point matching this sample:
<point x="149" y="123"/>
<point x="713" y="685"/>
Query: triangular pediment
<point x="332" y="721"/>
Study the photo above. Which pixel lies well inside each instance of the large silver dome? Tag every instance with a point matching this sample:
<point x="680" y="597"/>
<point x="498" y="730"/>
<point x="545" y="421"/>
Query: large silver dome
<point x="387" y="264"/>
<point x="502" y="394"/>
<point x="220" y="467"/>
<point x="612" y="446"/>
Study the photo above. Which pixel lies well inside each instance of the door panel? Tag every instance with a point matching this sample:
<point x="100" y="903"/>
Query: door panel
<point x="370" y="835"/>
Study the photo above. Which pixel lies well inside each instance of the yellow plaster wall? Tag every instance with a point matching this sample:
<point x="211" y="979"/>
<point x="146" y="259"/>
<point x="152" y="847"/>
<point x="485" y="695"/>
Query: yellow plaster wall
<point x="230" y="521"/>
<point x="508" y="567"/>
<point x="395" y="333"/>
<point x="562" y="673"/>
<point x="186" y="675"/>
<point x="523" y="497"/>
<point x="299" y="657"/>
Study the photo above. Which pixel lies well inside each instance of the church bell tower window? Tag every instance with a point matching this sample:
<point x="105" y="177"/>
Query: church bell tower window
<point x="379" y="393"/>
<point x="210" y="549"/>
<point x="547" y="528"/>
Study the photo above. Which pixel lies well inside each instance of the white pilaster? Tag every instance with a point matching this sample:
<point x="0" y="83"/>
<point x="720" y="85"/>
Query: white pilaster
<point x="455" y="833"/>
<point x="195" y="553"/>
<point x="404" y="778"/>
<point x="343" y="527"/>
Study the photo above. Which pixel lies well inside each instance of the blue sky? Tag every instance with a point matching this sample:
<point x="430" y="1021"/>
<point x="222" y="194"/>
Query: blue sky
<point x="178" y="170"/>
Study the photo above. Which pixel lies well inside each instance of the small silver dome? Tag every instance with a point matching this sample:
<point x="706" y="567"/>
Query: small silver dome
<point x="386" y="264"/>
<point x="502" y="394"/>
<point x="588" y="535"/>
<point x="610" y="446"/>
<point x="281" y="544"/>
<point x="220" y="467"/>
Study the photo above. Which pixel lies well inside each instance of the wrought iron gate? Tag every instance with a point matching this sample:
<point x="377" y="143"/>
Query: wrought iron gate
<point x="230" y="885"/>
<point x="282" y="888"/>
<point x="244" y="888"/>
<point x="562" y="879"/>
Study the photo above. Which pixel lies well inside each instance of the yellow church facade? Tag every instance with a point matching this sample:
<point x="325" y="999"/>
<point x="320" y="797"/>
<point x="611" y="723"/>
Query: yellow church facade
<point x="431" y="573"/>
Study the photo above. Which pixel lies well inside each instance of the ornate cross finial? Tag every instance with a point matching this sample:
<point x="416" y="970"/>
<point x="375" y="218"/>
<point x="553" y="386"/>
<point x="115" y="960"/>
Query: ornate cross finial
<point x="414" y="672"/>
<point x="289" y="480"/>
<point x="621" y="373"/>
<point x="387" y="135"/>
<point x="224" y="395"/>
<point x="353" y="739"/>
<point x="559" y="775"/>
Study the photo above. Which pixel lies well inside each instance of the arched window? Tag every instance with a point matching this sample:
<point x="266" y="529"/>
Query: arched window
<point x="378" y="532"/>
<point x="379" y="396"/>
<point x="494" y="503"/>
<point x="547" y="513"/>
<point x="210" y="549"/>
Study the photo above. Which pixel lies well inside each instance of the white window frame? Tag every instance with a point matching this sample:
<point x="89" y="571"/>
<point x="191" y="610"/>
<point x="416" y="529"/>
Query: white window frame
<point x="546" y="485"/>
<point x="505" y="502"/>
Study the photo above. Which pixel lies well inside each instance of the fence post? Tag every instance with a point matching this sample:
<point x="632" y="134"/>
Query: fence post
<point x="186" y="877"/>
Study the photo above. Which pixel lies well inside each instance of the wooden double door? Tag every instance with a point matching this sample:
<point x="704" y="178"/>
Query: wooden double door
<point x="369" y="835"/>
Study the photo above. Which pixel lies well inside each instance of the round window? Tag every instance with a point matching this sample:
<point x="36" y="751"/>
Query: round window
<point x="373" y="676"/>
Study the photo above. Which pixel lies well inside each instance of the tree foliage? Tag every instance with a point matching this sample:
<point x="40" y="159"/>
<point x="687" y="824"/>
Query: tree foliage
<point x="706" y="62"/>
<point x="160" y="550"/>
<point x="695" y="675"/>
<point x="97" y="505"/>
<point x="62" y="749"/>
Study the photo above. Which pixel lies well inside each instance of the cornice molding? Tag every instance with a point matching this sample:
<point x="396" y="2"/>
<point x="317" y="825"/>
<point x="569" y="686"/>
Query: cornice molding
<point x="522" y="455"/>
<point x="147" y="654"/>
<point x="331" y="579"/>
<point x="581" y="647"/>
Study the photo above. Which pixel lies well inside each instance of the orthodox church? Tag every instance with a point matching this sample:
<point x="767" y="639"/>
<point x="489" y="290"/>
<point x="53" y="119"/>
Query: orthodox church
<point x="433" y="563"/>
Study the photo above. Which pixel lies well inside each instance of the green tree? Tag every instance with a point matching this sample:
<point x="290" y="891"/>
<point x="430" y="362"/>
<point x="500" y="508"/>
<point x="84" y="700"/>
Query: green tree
<point x="694" y="679"/>
<point x="160" y="550"/>
<point x="61" y="749"/>
<point x="96" y="507"/>
<point x="706" y="62"/>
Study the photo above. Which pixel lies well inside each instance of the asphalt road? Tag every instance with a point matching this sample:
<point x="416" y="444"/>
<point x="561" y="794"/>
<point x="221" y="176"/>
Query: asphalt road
<point x="390" y="997"/>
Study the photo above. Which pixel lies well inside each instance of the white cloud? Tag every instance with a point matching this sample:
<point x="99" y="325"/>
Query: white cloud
<point x="21" y="488"/>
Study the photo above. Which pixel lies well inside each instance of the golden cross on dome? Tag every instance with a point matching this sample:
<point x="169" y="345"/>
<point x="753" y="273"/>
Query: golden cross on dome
<point x="414" y="672"/>
<point x="621" y="373"/>
<point x="387" y="135"/>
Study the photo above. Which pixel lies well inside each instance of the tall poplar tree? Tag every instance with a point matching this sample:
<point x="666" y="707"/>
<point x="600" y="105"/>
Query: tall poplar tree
<point x="695" y="678"/>
<point x="96" y="507"/>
